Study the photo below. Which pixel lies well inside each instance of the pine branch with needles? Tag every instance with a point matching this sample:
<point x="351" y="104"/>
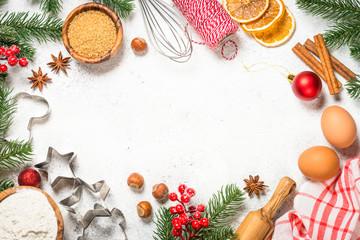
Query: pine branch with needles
<point x="6" y="184"/>
<point x="121" y="7"/>
<point x="51" y="6"/>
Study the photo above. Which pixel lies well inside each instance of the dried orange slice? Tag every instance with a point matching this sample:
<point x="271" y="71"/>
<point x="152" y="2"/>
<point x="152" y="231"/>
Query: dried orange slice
<point x="275" y="11"/>
<point x="243" y="11"/>
<point x="279" y="33"/>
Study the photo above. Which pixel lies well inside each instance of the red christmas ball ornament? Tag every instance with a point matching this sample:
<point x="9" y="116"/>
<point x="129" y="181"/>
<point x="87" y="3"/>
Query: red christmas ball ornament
<point x="307" y="85"/>
<point x="29" y="177"/>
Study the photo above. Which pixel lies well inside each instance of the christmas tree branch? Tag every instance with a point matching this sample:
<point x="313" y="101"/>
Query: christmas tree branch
<point x="163" y="225"/>
<point x="51" y="6"/>
<point x="6" y="184"/>
<point x="14" y="153"/>
<point x="3" y="77"/>
<point x="355" y="50"/>
<point x="343" y="33"/>
<point x="224" y="205"/>
<point x="7" y="109"/>
<point x="332" y="9"/>
<point x="121" y="7"/>
<point x="36" y="26"/>
<point x="353" y="88"/>
<point x="224" y="233"/>
<point x="2" y="2"/>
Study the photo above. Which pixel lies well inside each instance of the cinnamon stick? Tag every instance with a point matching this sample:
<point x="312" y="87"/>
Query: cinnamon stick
<point x="326" y="63"/>
<point x="337" y="65"/>
<point x="312" y="62"/>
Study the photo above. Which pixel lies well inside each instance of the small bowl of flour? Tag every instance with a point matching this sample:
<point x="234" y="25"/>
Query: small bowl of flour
<point x="28" y="213"/>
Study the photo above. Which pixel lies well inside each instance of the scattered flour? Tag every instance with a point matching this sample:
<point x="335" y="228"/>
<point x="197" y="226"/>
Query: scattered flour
<point x="27" y="215"/>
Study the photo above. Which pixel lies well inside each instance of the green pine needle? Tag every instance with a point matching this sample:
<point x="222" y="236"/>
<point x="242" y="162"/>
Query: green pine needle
<point x="343" y="33"/>
<point x="35" y="26"/>
<point x="355" y="50"/>
<point x="7" y="34"/>
<point x="332" y="9"/>
<point x="163" y="225"/>
<point x="51" y="6"/>
<point x="223" y="233"/>
<point x="224" y="205"/>
<point x="7" y="109"/>
<point x="353" y="88"/>
<point x="14" y="153"/>
<point x="121" y="7"/>
<point x="6" y="184"/>
<point x="3" y="77"/>
<point x="2" y="2"/>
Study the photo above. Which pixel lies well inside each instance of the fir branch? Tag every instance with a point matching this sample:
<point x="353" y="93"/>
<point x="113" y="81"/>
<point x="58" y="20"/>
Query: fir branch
<point x="7" y="109"/>
<point x="355" y="50"/>
<point x="3" y="77"/>
<point x="36" y="26"/>
<point x="6" y="184"/>
<point x="121" y="7"/>
<point x="343" y="33"/>
<point x="224" y="205"/>
<point x="2" y="2"/>
<point x="353" y="88"/>
<point x="224" y="233"/>
<point x="14" y="153"/>
<point x="51" y="6"/>
<point x="332" y="9"/>
<point x="163" y="225"/>
<point x="7" y="34"/>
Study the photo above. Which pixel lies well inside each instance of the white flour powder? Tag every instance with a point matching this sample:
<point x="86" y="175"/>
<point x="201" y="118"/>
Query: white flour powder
<point x="27" y="215"/>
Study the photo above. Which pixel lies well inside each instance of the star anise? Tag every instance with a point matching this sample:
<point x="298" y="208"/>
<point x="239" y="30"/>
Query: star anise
<point x="59" y="63"/>
<point x="39" y="79"/>
<point x="254" y="185"/>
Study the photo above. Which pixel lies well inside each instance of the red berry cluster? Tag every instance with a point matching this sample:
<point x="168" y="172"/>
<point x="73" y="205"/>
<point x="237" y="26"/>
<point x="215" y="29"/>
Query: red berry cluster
<point x="187" y="216"/>
<point x="9" y="55"/>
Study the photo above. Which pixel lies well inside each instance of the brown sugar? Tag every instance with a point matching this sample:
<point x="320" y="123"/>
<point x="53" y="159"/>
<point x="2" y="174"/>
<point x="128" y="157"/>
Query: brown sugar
<point x="92" y="34"/>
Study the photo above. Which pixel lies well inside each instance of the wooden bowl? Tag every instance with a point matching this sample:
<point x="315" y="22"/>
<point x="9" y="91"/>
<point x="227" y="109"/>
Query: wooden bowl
<point x="87" y="7"/>
<point x="59" y="219"/>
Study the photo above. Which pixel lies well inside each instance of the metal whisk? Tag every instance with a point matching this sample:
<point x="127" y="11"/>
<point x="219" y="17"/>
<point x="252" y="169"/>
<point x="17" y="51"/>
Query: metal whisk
<point x="166" y="30"/>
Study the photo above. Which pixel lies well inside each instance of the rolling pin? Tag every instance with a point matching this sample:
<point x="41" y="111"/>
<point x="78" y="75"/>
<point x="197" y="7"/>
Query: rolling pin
<point x="258" y="225"/>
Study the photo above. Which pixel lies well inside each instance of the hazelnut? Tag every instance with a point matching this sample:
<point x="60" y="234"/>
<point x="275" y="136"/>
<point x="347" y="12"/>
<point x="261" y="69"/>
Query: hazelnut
<point x="138" y="45"/>
<point x="135" y="181"/>
<point x="144" y="209"/>
<point x="160" y="191"/>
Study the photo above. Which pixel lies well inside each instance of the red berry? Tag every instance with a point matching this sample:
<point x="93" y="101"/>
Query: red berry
<point x="177" y="226"/>
<point x="29" y="177"/>
<point x="179" y="208"/>
<point x="191" y="219"/>
<point x="173" y="210"/>
<point x="201" y="207"/>
<point x="195" y="224"/>
<point x="12" y="61"/>
<point x="15" y="49"/>
<point x="173" y="196"/>
<point x="176" y="232"/>
<point x="197" y="215"/>
<point x="3" y="68"/>
<point x="9" y="53"/>
<point x="204" y="222"/>
<point x="191" y="192"/>
<point x="2" y="51"/>
<point x="175" y="220"/>
<point x="192" y="208"/>
<point x="182" y="188"/>
<point x="23" y="62"/>
<point x="185" y="198"/>
<point x="183" y="218"/>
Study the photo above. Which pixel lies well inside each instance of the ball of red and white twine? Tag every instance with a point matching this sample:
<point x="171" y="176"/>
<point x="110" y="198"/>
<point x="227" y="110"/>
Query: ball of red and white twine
<point x="210" y="20"/>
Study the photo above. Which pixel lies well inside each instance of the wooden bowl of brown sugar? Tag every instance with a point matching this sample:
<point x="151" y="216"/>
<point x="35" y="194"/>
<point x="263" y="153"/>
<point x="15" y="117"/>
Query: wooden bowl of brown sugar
<point x="92" y="33"/>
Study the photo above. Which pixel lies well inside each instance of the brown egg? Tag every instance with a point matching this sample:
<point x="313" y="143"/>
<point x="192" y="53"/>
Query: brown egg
<point x="338" y="127"/>
<point x="319" y="163"/>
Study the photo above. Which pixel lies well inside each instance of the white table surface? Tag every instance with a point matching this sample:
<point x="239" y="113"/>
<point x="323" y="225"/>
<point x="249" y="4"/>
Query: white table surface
<point x="205" y="123"/>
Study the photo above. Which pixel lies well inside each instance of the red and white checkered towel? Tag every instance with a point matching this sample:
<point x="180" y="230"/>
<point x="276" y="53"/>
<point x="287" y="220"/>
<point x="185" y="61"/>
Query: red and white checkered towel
<point x="325" y="210"/>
